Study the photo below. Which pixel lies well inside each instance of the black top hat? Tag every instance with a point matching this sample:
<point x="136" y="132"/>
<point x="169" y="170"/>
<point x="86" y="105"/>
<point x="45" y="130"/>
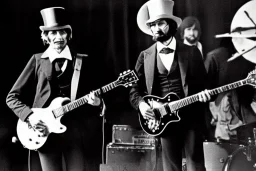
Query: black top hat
<point x="54" y="19"/>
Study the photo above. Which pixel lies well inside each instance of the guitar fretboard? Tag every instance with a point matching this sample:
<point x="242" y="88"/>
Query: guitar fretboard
<point x="194" y="98"/>
<point x="81" y="101"/>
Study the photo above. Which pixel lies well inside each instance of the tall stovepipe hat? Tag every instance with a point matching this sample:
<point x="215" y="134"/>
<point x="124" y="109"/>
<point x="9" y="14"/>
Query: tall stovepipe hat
<point x="154" y="10"/>
<point x="54" y="18"/>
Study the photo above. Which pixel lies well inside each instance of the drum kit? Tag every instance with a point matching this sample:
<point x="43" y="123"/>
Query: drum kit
<point x="233" y="156"/>
<point x="241" y="155"/>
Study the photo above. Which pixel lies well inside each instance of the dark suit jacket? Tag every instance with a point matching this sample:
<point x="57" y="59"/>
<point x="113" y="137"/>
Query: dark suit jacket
<point x="192" y="70"/>
<point x="33" y="87"/>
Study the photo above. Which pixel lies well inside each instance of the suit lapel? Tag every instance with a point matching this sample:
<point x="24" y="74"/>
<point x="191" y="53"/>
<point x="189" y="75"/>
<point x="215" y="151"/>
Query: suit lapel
<point x="47" y="68"/>
<point x="183" y="65"/>
<point x="149" y="60"/>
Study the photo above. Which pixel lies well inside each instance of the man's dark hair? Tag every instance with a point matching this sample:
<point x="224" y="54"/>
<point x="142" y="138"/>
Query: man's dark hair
<point x="227" y="43"/>
<point x="172" y="26"/>
<point x="189" y="22"/>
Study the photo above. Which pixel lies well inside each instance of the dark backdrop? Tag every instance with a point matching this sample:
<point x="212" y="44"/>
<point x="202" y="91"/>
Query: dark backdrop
<point x="106" y="30"/>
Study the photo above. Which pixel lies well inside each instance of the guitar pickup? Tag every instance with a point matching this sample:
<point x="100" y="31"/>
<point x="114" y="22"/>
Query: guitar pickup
<point x="167" y="109"/>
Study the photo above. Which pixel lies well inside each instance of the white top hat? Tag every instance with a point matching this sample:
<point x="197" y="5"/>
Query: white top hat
<point x="154" y="10"/>
<point x="244" y="24"/>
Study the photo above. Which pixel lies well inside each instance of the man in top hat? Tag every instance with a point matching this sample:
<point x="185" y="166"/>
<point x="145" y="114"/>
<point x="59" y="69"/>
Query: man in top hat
<point x="49" y="75"/>
<point x="171" y="66"/>
<point x="190" y="32"/>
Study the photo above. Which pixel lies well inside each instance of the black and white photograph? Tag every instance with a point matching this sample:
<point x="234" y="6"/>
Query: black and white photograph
<point x="128" y="85"/>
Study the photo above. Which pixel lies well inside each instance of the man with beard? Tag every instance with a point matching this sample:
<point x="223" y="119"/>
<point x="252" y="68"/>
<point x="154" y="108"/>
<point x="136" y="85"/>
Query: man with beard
<point x="169" y="66"/>
<point x="49" y="75"/>
<point x="190" y="32"/>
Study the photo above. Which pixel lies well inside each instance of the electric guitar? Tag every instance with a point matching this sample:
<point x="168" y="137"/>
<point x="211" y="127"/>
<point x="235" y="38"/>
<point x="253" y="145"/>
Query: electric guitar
<point x="166" y="108"/>
<point x="31" y="139"/>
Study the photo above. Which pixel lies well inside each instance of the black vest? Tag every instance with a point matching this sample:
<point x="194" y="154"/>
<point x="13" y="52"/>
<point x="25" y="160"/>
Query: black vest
<point x="166" y="82"/>
<point x="62" y="80"/>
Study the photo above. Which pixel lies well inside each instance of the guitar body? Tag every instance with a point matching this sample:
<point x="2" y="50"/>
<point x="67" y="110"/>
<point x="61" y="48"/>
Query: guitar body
<point x="51" y="116"/>
<point x="29" y="137"/>
<point x="166" y="108"/>
<point x="157" y="126"/>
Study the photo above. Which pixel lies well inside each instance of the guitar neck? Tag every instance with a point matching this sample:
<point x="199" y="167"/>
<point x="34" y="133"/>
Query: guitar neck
<point x="194" y="98"/>
<point x="82" y="100"/>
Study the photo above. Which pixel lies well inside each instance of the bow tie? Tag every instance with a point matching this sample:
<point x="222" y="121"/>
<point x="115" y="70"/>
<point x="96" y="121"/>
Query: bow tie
<point x="166" y="50"/>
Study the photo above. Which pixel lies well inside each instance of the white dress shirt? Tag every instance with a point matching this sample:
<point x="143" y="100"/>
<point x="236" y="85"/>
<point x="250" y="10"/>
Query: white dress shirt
<point x="52" y="55"/>
<point x="167" y="59"/>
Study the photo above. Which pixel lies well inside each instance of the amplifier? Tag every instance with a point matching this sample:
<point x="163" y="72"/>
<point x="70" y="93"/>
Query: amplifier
<point x="116" y="167"/>
<point x="126" y="134"/>
<point x="143" y="158"/>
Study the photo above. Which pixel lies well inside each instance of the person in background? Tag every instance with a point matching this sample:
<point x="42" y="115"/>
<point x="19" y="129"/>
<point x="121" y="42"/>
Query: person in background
<point x="169" y="66"/>
<point x="232" y="108"/>
<point x="190" y="32"/>
<point x="49" y="75"/>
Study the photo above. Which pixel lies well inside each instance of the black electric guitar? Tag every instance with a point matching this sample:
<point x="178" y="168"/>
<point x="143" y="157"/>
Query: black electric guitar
<point x="51" y="116"/>
<point x="166" y="108"/>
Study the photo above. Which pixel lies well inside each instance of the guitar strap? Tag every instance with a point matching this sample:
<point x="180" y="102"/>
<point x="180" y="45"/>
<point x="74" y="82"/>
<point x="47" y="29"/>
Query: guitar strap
<point x="76" y="75"/>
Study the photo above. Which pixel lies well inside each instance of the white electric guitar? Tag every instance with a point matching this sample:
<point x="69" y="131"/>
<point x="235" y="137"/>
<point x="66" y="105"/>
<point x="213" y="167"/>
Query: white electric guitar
<point x="31" y="138"/>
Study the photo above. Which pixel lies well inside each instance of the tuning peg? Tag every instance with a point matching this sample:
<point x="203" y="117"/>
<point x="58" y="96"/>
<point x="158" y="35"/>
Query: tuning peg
<point x="130" y="84"/>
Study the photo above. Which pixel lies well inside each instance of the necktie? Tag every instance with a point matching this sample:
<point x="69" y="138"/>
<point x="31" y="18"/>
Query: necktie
<point x="166" y="50"/>
<point x="58" y="64"/>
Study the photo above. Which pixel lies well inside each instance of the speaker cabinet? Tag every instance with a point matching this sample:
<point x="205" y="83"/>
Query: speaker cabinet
<point x="134" y="157"/>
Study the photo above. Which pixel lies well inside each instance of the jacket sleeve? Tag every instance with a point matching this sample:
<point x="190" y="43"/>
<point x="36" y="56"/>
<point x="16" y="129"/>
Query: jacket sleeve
<point x="20" y="98"/>
<point x="138" y="89"/>
<point x="197" y="73"/>
<point x="212" y="69"/>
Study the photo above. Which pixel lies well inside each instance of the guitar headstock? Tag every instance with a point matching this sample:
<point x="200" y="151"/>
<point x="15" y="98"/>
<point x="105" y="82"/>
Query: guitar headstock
<point x="251" y="78"/>
<point x="126" y="78"/>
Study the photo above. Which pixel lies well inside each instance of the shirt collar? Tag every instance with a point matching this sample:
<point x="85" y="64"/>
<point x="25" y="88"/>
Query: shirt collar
<point x="52" y="54"/>
<point x="171" y="45"/>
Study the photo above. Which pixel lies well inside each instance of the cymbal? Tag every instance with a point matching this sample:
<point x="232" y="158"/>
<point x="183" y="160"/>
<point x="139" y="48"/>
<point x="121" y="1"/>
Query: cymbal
<point x="236" y="55"/>
<point x="236" y="35"/>
<point x="243" y="30"/>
